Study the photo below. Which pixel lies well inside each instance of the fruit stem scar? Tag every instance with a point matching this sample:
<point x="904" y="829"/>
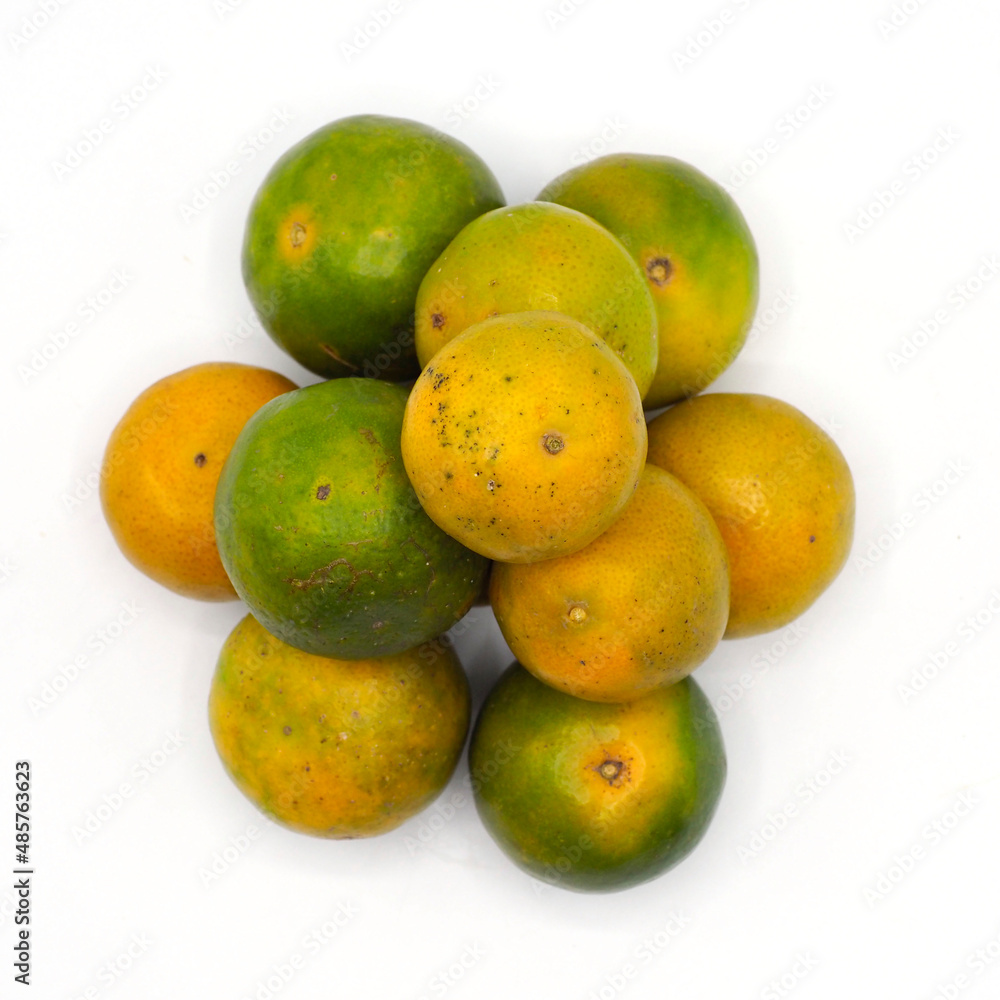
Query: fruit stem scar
<point x="610" y="770"/>
<point x="297" y="234"/>
<point x="659" y="270"/>
<point x="577" y="614"/>
<point x="553" y="443"/>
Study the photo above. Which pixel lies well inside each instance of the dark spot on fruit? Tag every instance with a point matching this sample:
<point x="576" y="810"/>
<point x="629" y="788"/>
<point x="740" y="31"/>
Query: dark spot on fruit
<point x="659" y="270"/>
<point x="812" y="538"/>
<point x="287" y="730"/>
<point x="553" y="443"/>
<point x="322" y="492"/>
<point x="200" y="459"/>
<point x="437" y="321"/>
<point x="610" y="770"/>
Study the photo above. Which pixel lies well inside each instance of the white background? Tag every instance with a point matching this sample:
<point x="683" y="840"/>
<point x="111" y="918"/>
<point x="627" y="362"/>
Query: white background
<point x="805" y="904"/>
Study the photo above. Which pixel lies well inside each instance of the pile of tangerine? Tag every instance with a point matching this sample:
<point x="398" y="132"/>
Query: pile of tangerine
<point x="481" y="435"/>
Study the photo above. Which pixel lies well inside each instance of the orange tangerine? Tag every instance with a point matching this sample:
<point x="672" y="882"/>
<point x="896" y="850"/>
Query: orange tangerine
<point x="162" y="464"/>
<point x="540" y="256"/>
<point x="524" y="437"/>
<point x="638" y="608"/>
<point x="693" y="245"/>
<point x="337" y="748"/>
<point x="780" y="491"/>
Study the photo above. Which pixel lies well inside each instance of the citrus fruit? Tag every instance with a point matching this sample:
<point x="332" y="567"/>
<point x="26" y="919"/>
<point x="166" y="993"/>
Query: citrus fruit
<point x="524" y="437"/>
<point x="591" y="796"/>
<point x="779" y="490"/>
<point x="337" y="748"/>
<point x="639" y="607"/>
<point x="342" y="231"/>
<point x="161" y="465"/>
<point x="692" y="243"/>
<point x="322" y="535"/>
<point x="540" y="256"/>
